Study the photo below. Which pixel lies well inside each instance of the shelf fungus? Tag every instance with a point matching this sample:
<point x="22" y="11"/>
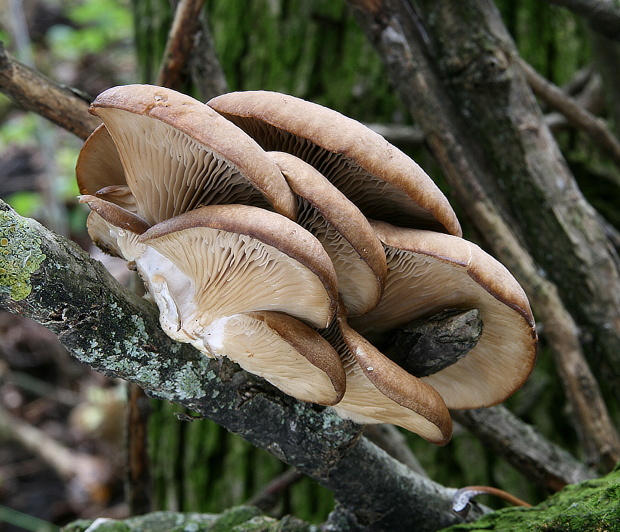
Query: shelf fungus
<point x="375" y="175"/>
<point x="429" y="272"/>
<point x="173" y="153"/>
<point x="304" y="247"/>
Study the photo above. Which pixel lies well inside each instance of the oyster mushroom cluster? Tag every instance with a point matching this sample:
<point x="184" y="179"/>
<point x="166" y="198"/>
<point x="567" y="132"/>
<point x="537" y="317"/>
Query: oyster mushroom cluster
<point x="295" y="241"/>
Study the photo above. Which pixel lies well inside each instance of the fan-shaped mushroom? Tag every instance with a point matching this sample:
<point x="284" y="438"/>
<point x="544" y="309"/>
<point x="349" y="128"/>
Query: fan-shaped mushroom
<point x="221" y="260"/>
<point x="375" y="175"/>
<point x="284" y="351"/>
<point x="379" y="391"/>
<point x="177" y="154"/>
<point x="429" y="272"/>
<point x="346" y="234"/>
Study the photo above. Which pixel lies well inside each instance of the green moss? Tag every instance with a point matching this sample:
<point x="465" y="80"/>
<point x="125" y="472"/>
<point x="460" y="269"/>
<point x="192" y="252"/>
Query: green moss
<point x="238" y="519"/>
<point x="20" y="256"/>
<point x="592" y="506"/>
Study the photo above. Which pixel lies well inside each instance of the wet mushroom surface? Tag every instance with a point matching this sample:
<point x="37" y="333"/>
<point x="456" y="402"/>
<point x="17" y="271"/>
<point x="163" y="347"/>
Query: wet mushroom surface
<point x="306" y="248"/>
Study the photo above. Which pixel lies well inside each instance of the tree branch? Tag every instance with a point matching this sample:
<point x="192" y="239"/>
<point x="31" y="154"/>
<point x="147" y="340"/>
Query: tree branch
<point x="174" y="66"/>
<point x="49" y="279"/>
<point x="603" y="15"/>
<point x="35" y="92"/>
<point x="523" y="447"/>
<point x="576" y="114"/>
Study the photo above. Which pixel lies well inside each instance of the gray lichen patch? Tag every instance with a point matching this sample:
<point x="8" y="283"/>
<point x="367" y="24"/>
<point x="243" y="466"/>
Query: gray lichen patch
<point x="20" y="255"/>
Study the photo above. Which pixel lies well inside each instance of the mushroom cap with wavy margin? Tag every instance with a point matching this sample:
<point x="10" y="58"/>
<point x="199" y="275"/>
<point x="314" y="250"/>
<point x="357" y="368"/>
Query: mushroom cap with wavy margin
<point x="178" y="154"/>
<point x="380" y="391"/>
<point x="429" y="272"/>
<point x="346" y="234"/>
<point x="380" y="179"/>
<point x="220" y="260"/>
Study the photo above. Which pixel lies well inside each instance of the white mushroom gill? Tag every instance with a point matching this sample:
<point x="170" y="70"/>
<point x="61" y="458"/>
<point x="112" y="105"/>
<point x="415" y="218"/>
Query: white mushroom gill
<point x="357" y="283"/>
<point x="374" y="197"/>
<point x="169" y="172"/>
<point x="261" y="350"/>
<point x="232" y="273"/>
<point x="420" y="285"/>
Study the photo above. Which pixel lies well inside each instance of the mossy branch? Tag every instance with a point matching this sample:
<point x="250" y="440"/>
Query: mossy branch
<point x="117" y="333"/>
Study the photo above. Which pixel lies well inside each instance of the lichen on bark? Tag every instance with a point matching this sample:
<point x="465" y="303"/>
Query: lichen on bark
<point x="20" y="256"/>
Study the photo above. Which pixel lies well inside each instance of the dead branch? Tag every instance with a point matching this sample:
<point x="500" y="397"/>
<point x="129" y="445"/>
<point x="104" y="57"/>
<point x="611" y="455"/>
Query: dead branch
<point x="522" y="446"/>
<point x="575" y="113"/>
<point x="117" y="333"/>
<point x="603" y="15"/>
<point x="173" y="69"/>
<point x="35" y="92"/>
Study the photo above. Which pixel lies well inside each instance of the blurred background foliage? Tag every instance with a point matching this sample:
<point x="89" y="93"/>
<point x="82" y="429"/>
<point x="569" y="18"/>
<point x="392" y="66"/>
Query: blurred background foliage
<point x="314" y="50"/>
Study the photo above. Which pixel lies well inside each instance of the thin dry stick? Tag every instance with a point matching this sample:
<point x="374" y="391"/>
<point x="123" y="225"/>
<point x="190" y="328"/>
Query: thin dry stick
<point x="450" y="146"/>
<point x="267" y="498"/>
<point x="575" y="113"/>
<point x="603" y="15"/>
<point x="592" y="421"/>
<point x="37" y="93"/>
<point x="86" y="472"/>
<point x="520" y="444"/>
<point x="180" y="43"/>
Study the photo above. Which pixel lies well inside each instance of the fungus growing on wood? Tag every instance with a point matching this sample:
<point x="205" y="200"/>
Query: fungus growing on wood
<point x="380" y="179"/>
<point x="177" y="154"/>
<point x="344" y="232"/>
<point x="319" y="297"/>
<point x="429" y="272"/>
<point x="380" y="391"/>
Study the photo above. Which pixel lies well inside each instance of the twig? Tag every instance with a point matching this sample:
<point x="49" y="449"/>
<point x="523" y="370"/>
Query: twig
<point x="138" y="486"/>
<point x="575" y="113"/>
<point x="174" y="66"/>
<point x="267" y="498"/>
<point x="206" y="70"/>
<point x="461" y="502"/>
<point x="521" y="445"/>
<point x="392" y="441"/>
<point x="37" y="93"/>
<point x="87" y="473"/>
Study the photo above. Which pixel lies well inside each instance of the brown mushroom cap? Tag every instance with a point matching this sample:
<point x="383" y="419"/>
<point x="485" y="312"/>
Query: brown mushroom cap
<point x="375" y="175"/>
<point x="429" y="272"/>
<point x="284" y="351"/>
<point x="346" y="234"/>
<point x="380" y="391"/>
<point x="177" y="153"/>
<point x="221" y="260"/>
<point x="114" y="229"/>
<point x="98" y="164"/>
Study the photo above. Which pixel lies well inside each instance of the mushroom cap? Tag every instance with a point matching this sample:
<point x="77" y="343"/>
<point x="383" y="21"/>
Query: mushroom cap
<point x="380" y="391"/>
<point x="346" y="234"/>
<point x="286" y="352"/>
<point x="429" y="272"/>
<point x="98" y="163"/>
<point x="375" y="175"/>
<point x="221" y="260"/>
<point x="177" y="153"/>
<point x="113" y="229"/>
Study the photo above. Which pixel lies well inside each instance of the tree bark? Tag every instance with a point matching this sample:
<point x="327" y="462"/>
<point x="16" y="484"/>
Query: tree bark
<point x="35" y="92"/>
<point x="49" y="279"/>
<point x="457" y="70"/>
